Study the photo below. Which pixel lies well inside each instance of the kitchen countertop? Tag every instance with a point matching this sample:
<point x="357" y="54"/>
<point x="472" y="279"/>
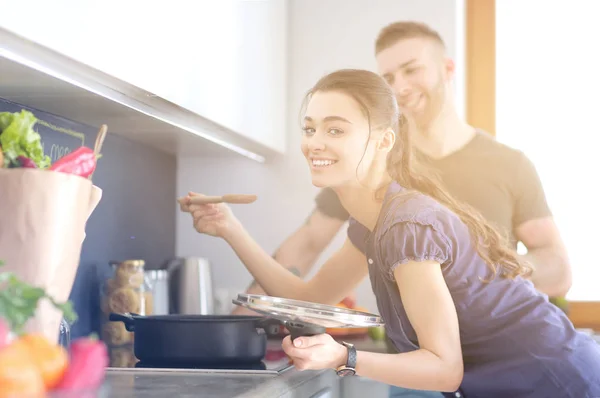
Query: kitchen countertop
<point x="187" y="384"/>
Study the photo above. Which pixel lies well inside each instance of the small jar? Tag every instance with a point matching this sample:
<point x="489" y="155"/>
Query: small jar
<point x="126" y="291"/>
<point x="123" y="292"/>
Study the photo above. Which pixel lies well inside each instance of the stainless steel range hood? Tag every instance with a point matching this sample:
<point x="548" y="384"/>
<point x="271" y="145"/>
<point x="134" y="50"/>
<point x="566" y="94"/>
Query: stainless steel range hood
<point x="43" y="79"/>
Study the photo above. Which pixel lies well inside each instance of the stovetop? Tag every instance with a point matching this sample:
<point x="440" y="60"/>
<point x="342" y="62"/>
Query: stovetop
<point x="239" y="366"/>
<point x="275" y="362"/>
<point x="261" y="368"/>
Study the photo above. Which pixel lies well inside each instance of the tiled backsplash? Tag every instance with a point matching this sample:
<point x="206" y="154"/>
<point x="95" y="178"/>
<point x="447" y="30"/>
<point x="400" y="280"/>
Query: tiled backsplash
<point x="134" y="219"/>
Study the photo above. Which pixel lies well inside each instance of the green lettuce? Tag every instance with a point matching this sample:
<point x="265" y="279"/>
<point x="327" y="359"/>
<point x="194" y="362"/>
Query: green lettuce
<point x="19" y="301"/>
<point x="18" y="138"/>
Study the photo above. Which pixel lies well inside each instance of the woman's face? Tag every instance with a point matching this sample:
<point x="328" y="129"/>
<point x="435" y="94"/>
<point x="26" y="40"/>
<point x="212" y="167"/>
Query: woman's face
<point x="335" y="134"/>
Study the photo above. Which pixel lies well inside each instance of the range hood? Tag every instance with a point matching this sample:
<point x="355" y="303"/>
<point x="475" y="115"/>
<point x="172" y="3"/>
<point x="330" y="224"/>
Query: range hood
<point x="41" y="78"/>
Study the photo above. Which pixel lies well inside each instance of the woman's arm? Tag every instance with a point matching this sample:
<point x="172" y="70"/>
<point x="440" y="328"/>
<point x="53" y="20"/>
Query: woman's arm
<point x="336" y="278"/>
<point x="436" y="366"/>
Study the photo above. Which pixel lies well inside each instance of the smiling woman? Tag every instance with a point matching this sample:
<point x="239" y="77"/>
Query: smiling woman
<point x="337" y="125"/>
<point x="450" y="289"/>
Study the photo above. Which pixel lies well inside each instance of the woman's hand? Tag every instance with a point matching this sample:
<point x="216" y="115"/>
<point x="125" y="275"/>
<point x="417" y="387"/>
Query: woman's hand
<point x="210" y="219"/>
<point x="315" y="352"/>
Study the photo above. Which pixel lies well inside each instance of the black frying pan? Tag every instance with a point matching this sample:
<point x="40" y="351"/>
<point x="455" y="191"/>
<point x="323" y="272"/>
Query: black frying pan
<point x="197" y="339"/>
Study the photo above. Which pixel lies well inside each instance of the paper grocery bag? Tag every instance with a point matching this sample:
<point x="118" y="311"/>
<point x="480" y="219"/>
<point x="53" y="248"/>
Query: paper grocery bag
<point x="42" y="227"/>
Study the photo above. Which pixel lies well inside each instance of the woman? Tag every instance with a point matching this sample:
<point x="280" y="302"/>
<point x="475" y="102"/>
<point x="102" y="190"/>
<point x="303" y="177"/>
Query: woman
<point x="455" y="299"/>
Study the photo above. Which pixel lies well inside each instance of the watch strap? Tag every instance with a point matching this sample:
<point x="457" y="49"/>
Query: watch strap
<point x="351" y="362"/>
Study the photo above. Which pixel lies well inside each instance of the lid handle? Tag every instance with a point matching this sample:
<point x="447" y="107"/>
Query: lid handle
<point x="298" y="329"/>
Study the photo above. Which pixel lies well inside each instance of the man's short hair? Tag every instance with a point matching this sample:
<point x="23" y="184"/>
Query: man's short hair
<point x="394" y="32"/>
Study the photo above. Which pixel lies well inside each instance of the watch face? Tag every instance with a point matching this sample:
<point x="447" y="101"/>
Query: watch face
<point x="346" y="372"/>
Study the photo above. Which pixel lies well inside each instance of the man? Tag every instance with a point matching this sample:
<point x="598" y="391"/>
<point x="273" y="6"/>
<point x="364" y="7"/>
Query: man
<point x="497" y="180"/>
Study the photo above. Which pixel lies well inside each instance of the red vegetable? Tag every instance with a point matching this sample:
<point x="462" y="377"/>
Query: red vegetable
<point x="4" y="332"/>
<point x="26" y="162"/>
<point x="81" y="162"/>
<point x="87" y="364"/>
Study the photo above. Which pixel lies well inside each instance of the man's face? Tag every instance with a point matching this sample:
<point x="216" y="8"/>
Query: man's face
<point x="419" y="74"/>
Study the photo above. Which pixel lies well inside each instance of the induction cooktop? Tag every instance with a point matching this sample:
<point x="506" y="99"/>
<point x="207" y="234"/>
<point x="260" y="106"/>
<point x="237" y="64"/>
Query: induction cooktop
<point x="274" y="363"/>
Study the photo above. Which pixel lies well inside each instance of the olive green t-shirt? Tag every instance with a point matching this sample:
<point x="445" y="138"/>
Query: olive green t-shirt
<point x="497" y="180"/>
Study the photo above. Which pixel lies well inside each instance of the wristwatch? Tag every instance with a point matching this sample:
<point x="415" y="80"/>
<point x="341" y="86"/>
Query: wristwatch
<point x="349" y="369"/>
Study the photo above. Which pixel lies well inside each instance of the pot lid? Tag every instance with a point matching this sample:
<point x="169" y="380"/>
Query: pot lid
<point x="328" y="316"/>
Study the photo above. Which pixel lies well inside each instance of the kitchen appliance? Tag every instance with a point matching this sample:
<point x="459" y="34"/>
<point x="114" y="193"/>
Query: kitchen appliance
<point x="196" y="339"/>
<point x="265" y="367"/>
<point x="158" y="283"/>
<point x="303" y="318"/>
<point x="190" y="286"/>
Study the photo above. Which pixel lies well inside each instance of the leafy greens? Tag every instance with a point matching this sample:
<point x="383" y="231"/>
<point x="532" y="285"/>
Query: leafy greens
<point x="18" y="138"/>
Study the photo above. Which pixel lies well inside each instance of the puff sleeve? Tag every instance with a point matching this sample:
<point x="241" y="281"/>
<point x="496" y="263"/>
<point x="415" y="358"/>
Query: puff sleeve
<point x="412" y="241"/>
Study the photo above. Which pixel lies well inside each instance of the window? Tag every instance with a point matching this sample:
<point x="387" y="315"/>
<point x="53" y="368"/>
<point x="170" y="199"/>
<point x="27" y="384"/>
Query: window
<point x="548" y="105"/>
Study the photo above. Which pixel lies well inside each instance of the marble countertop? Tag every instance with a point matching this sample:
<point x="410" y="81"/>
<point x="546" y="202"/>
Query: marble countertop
<point x="187" y="384"/>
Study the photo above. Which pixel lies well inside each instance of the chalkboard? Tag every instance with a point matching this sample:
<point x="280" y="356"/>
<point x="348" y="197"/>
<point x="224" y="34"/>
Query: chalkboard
<point x="60" y="136"/>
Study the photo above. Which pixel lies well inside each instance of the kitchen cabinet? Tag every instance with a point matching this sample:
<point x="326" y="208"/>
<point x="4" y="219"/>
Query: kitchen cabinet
<point x="239" y="76"/>
<point x="125" y="40"/>
<point x="221" y="59"/>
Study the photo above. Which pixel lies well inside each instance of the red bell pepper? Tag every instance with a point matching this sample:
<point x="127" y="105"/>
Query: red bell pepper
<point x="87" y="365"/>
<point x="26" y="162"/>
<point x="81" y="162"/>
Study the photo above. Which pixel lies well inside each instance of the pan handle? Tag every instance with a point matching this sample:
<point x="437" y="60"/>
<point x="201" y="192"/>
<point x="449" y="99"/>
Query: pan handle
<point x="127" y="319"/>
<point x="267" y="325"/>
<point x="298" y="329"/>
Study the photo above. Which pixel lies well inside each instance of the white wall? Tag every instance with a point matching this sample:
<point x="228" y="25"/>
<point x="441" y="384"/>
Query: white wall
<point x="324" y="35"/>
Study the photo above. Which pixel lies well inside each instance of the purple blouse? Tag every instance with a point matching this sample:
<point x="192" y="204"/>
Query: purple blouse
<point x="515" y="343"/>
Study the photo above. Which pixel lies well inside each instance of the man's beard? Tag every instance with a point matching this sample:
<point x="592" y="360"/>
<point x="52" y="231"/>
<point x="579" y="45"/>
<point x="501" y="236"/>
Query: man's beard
<point x="434" y="103"/>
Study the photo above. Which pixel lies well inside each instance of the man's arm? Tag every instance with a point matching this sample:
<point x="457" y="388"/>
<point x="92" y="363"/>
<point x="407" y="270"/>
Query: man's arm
<point x="536" y="229"/>
<point x="300" y="251"/>
<point x="547" y="253"/>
